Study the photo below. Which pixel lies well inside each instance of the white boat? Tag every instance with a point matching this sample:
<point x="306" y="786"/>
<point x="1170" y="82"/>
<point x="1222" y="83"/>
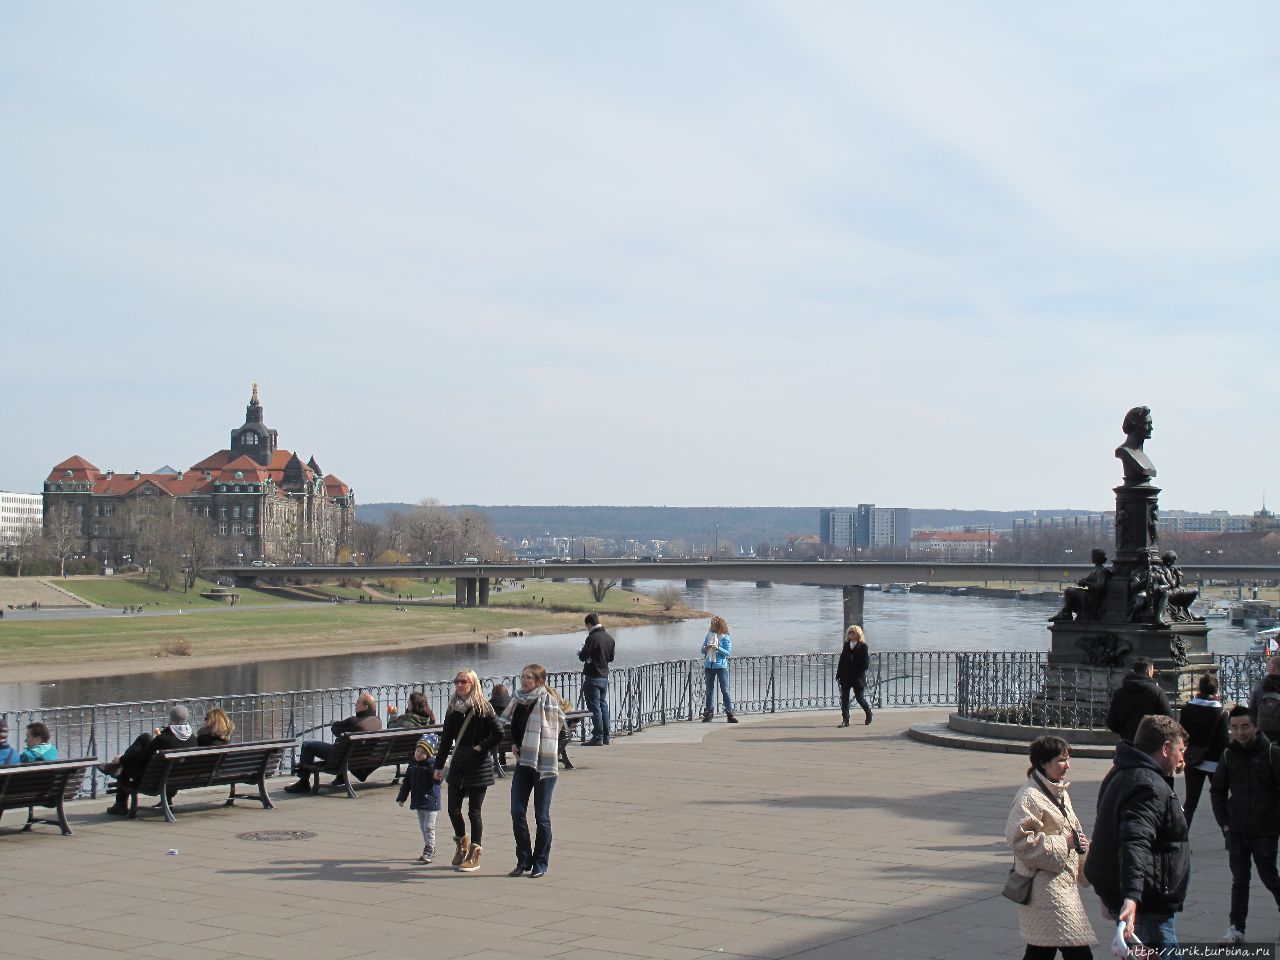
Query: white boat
<point x="1266" y="643"/>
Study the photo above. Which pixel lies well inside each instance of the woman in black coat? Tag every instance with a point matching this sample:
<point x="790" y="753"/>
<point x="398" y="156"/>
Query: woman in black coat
<point x="851" y="673"/>
<point x="470" y="732"/>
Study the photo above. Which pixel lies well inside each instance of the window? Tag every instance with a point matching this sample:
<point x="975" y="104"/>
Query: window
<point x="235" y="512"/>
<point x="97" y="509"/>
<point x="235" y="529"/>
<point x="106" y="510"/>
<point x="206" y="511"/>
<point x="95" y="529"/>
<point x="250" y="531"/>
<point x="248" y="512"/>
<point x="222" y="529"/>
<point x="79" y="509"/>
<point x="239" y="475"/>
<point x="222" y="513"/>
<point x="249" y="439"/>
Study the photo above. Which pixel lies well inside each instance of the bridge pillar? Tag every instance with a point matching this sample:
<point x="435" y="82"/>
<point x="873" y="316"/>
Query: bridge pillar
<point x="472" y="590"/>
<point x="763" y="584"/>
<point x="628" y="583"/>
<point x="854" y="597"/>
<point x="484" y="591"/>
<point x="459" y="592"/>
<point x="694" y="584"/>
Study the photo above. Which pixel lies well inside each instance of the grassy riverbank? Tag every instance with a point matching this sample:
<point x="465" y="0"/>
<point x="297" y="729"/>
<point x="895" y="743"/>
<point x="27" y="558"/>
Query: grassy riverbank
<point x="51" y="649"/>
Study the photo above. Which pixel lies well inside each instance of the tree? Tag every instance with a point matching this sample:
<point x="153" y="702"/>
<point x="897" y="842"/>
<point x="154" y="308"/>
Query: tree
<point x="601" y="586"/>
<point x="26" y="543"/>
<point x="196" y="542"/>
<point x="431" y="530"/>
<point x="62" y="534"/>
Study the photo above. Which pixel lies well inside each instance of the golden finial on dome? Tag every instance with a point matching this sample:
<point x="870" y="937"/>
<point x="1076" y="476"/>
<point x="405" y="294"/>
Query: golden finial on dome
<point x="254" y="399"/>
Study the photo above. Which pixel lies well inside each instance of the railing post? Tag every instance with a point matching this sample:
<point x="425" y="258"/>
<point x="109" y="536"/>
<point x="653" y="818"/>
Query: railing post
<point x="662" y="693"/>
<point x="773" y="684"/>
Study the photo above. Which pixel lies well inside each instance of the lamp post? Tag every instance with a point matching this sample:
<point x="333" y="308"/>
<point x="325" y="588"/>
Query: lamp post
<point x="716" y="555"/>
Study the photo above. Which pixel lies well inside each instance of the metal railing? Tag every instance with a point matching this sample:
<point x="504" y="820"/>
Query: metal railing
<point x="1008" y="687"/>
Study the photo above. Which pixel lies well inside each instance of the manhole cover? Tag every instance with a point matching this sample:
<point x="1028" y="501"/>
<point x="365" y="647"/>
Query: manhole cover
<point x="276" y="835"/>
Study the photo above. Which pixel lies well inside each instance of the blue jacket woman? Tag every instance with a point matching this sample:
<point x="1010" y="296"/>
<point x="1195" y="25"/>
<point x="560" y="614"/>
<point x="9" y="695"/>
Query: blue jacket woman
<point x="716" y="646"/>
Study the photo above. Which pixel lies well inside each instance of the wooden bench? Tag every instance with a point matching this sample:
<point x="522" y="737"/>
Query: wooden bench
<point x="359" y="754"/>
<point x="50" y="784"/>
<point x="169" y="771"/>
<point x="571" y="719"/>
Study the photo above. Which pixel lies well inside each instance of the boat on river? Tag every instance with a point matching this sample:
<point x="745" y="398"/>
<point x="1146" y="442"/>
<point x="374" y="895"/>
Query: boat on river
<point x="896" y="588"/>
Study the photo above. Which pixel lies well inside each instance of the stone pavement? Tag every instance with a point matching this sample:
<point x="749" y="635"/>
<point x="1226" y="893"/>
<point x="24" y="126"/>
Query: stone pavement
<point x="778" y="837"/>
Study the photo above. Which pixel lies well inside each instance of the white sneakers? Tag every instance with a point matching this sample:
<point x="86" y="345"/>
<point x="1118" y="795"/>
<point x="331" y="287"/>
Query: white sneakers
<point x="1233" y="935"/>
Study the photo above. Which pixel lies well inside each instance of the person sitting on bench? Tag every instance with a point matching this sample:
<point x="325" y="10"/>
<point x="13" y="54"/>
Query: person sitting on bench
<point x="316" y="752"/>
<point x="131" y="764"/>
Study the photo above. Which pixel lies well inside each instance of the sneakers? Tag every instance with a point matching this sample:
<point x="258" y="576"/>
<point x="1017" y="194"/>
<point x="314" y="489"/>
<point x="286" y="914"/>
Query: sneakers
<point x="472" y="860"/>
<point x="706" y="718"/>
<point x="461" y="853"/>
<point x="1233" y="935"/>
<point x="731" y="718"/>
<point x="595" y="742"/>
<point x="428" y="854"/>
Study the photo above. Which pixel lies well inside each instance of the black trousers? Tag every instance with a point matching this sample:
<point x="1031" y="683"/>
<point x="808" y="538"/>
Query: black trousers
<point x="1195" y="786"/>
<point x="857" y="690"/>
<point x="1047" y="953"/>
<point x="475" y="800"/>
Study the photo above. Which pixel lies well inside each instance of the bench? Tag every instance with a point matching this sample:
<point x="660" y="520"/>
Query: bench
<point x="572" y="718"/>
<point x="359" y="754"/>
<point x="49" y="784"/>
<point x="169" y="771"/>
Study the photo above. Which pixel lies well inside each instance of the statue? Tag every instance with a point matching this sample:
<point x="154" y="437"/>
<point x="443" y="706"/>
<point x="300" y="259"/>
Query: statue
<point x="1084" y="600"/>
<point x="1149" y="591"/>
<point x="1138" y="468"/>
<point x="1181" y="596"/>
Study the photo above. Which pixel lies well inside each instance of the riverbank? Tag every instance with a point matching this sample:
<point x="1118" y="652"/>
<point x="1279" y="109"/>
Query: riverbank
<point x="40" y="650"/>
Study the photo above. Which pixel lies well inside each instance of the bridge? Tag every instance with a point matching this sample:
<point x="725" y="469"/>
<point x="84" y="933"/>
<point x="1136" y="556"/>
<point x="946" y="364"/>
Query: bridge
<point x="472" y="580"/>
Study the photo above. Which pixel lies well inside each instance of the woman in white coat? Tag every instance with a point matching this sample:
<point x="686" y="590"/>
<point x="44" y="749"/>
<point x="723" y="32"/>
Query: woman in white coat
<point x="1049" y="845"/>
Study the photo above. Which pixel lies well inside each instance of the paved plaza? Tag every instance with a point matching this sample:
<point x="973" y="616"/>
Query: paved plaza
<point x="778" y="837"/>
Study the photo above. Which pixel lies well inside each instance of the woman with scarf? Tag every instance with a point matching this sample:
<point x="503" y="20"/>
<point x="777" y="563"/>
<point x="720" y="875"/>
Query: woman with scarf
<point x="470" y="732"/>
<point x="716" y="646"/>
<point x="536" y="721"/>
<point x="1049" y="845"/>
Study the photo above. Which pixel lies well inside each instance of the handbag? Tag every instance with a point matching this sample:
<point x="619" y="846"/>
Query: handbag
<point x="1017" y="887"/>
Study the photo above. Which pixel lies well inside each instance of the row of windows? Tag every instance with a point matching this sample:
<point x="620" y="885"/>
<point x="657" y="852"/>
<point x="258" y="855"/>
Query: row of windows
<point x="249" y="530"/>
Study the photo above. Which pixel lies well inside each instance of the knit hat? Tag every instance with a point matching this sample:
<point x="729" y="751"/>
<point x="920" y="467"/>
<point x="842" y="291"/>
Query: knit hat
<point x="179" y="715"/>
<point x="427" y="745"/>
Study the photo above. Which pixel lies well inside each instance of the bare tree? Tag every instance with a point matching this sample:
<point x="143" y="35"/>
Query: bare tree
<point x="369" y="539"/>
<point x="62" y="534"/>
<point x="432" y="530"/>
<point x="196" y="543"/>
<point x="26" y="543"/>
<point x="668" y="597"/>
<point x="600" y="587"/>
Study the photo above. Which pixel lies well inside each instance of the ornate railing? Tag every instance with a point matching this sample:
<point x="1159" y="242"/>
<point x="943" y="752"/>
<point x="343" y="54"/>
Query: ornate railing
<point x="1006" y="687"/>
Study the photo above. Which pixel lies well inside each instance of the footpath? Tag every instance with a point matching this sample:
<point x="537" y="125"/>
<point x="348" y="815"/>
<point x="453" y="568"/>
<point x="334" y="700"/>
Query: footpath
<point x="778" y="837"/>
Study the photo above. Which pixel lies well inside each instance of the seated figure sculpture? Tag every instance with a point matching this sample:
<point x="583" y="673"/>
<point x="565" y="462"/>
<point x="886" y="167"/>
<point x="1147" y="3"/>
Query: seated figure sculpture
<point x="1084" y="600"/>
<point x="1181" y="596"/>
<point x="1149" y="591"/>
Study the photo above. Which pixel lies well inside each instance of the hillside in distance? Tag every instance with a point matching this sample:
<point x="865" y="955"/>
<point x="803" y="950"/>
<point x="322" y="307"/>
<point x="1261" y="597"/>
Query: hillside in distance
<point x="746" y="526"/>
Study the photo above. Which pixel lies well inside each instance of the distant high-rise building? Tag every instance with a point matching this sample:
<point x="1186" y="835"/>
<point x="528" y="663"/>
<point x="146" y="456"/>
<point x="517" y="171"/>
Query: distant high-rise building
<point x="19" y="512"/>
<point x="865" y="527"/>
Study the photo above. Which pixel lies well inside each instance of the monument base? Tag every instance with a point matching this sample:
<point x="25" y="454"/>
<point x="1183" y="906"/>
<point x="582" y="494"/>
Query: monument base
<point x="1180" y="652"/>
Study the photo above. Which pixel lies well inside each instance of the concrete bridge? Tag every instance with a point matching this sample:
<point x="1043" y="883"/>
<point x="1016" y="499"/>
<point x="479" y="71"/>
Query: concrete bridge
<point x="472" y="580"/>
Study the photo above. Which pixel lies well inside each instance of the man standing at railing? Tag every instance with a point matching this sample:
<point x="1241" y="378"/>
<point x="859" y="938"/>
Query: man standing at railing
<point x="1138" y="696"/>
<point x="596" y="655"/>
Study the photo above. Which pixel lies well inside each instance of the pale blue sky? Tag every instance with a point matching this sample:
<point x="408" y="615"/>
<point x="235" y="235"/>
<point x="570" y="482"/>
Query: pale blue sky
<point x="724" y="253"/>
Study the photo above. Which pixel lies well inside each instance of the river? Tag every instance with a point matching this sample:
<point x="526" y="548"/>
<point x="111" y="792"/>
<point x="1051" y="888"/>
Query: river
<point x="762" y="621"/>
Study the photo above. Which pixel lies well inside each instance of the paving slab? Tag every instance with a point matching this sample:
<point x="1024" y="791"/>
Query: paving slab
<point x="778" y="837"/>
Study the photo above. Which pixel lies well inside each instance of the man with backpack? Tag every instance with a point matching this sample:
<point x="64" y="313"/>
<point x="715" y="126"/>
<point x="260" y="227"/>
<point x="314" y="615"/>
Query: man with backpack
<point x="1264" y="702"/>
<point x="1245" y="793"/>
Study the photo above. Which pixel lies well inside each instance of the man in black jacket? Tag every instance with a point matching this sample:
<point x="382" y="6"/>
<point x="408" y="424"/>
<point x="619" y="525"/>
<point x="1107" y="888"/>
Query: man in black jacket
<point x="1245" y="793"/>
<point x="1266" y="709"/>
<point x="596" y="655"/>
<point x="365" y="721"/>
<point x="133" y="762"/>
<point x="1138" y="696"/>
<point x="1139" y="860"/>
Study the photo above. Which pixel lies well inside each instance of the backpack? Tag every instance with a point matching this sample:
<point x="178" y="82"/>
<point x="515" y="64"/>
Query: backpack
<point x="1269" y="712"/>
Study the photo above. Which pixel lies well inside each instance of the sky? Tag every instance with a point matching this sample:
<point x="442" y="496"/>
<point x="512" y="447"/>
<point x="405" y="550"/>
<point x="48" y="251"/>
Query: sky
<point x="793" y="253"/>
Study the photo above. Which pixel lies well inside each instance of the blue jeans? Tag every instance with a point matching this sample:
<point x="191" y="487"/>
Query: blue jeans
<point x="1156" y="929"/>
<point x="596" y="692"/>
<point x="713" y="674"/>
<point x="1240" y="850"/>
<point x="525" y="780"/>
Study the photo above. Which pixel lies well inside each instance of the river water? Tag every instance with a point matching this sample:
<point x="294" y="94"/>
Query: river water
<point x="775" y="620"/>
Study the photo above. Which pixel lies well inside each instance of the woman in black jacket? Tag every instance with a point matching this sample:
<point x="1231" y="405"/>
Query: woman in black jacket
<point x="470" y="732"/>
<point x="851" y="673"/>
<point x="1206" y="724"/>
<point x="217" y="729"/>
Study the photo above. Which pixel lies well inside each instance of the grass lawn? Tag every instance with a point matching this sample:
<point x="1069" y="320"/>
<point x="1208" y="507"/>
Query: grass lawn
<point x="324" y="628"/>
<point x="133" y="591"/>
<point x="573" y="594"/>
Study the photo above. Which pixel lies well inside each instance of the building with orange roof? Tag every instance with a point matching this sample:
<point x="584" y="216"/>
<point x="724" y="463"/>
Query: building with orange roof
<point x="252" y="501"/>
<point x="975" y="545"/>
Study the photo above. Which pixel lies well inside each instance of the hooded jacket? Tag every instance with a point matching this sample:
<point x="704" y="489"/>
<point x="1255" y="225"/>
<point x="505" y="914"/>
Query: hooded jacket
<point x="40" y="753"/>
<point x="1246" y="788"/>
<point x="1139" y="850"/>
<point x="596" y="653"/>
<point x="8" y="754"/>
<point x="1207" y="735"/>
<point x="1137" y="697"/>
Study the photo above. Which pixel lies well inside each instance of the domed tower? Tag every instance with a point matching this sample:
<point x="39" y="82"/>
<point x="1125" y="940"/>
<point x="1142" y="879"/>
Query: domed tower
<point x="253" y="439"/>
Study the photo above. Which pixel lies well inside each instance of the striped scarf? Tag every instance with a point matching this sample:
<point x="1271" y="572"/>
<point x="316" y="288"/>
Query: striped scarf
<point x="540" y="746"/>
